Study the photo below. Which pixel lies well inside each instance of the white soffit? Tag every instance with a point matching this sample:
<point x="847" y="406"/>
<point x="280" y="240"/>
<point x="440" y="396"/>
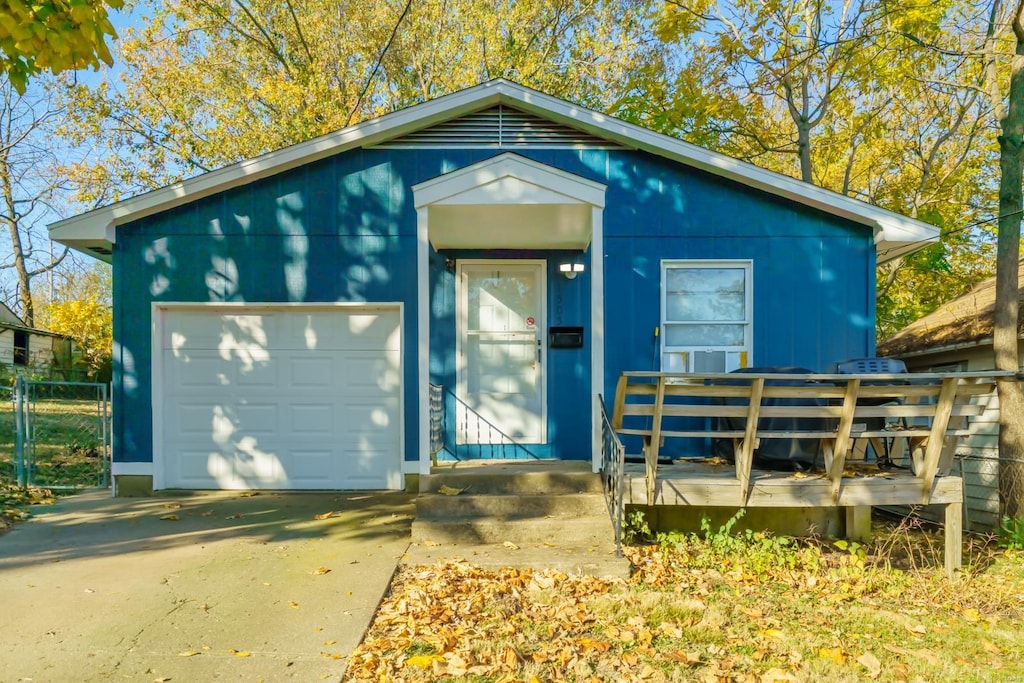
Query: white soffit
<point x="509" y="202"/>
<point x="894" y="234"/>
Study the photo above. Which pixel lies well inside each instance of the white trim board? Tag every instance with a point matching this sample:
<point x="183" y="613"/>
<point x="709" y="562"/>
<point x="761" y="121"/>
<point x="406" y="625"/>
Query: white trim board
<point x="894" y="234"/>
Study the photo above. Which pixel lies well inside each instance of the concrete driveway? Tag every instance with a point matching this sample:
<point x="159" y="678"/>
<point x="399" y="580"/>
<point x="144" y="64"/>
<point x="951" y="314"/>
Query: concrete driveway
<point x="196" y="587"/>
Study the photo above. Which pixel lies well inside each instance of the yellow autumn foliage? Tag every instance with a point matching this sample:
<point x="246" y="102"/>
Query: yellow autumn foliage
<point x="53" y="35"/>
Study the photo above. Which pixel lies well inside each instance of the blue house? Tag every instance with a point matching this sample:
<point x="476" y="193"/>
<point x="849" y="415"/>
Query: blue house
<point x="278" y="322"/>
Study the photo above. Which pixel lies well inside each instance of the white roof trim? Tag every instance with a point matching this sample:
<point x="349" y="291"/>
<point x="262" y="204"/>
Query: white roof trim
<point x="894" y="234"/>
<point x="571" y="187"/>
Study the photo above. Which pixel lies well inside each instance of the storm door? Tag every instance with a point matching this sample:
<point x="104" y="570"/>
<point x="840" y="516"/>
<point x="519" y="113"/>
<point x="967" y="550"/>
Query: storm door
<point x="500" y="351"/>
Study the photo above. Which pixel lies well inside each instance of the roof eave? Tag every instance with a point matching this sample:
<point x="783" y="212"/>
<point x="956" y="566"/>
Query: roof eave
<point x="895" y="235"/>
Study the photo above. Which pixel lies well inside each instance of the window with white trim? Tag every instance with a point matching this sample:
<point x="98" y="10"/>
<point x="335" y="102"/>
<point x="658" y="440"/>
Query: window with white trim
<point x="706" y="315"/>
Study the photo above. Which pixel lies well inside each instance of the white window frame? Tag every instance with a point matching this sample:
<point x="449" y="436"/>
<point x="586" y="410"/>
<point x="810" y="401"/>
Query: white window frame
<point x="736" y="357"/>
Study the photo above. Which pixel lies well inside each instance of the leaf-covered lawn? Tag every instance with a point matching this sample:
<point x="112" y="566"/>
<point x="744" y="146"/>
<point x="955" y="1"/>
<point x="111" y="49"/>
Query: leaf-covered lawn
<point x="15" y="501"/>
<point x="754" y="608"/>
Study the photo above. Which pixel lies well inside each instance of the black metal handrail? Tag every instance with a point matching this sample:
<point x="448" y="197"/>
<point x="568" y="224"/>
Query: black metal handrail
<point x="613" y="464"/>
<point x="492" y="443"/>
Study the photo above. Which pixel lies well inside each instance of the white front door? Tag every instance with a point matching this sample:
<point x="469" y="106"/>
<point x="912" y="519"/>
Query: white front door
<point x="500" y="352"/>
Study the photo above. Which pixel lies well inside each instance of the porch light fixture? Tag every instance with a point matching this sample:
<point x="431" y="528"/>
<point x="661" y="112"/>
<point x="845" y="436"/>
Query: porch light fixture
<point x="570" y="270"/>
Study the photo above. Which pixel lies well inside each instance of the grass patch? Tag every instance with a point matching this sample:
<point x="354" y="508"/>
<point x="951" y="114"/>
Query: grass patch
<point x="713" y="607"/>
<point x="67" y="447"/>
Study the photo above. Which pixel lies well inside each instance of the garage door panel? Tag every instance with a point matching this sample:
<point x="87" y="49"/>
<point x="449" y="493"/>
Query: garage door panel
<point x="311" y="371"/>
<point x="255" y="418"/>
<point x="281" y="398"/>
<point x="311" y="418"/>
<point x="196" y="467"/>
<point x="363" y="418"/>
<point x="311" y="466"/>
<point x="202" y="369"/>
<point x="372" y="370"/>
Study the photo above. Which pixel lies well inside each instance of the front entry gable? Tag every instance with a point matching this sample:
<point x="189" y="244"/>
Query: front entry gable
<point x="509" y="202"/>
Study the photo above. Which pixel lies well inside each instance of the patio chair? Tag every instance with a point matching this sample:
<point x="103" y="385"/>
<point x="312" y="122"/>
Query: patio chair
<point x="889" y="366"/>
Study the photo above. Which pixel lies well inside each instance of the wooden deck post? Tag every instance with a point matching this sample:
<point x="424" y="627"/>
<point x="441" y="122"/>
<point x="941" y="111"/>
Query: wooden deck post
<point x="842" y="442"/>
<point x="954" y="538"/>
<point x="654" y="446"/>
<point x="858" y="523"/>
<point x="937" y="438"/>
<point x="745" y="453"/>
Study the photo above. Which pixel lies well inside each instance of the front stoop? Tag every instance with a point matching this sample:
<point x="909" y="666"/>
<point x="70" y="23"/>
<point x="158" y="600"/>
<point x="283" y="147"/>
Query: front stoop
<point x="534" y="514"/>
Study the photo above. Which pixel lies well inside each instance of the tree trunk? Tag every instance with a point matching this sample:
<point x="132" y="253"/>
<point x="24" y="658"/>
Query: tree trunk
<point x="1011" y="397"/>
<point x="10" y="217"/>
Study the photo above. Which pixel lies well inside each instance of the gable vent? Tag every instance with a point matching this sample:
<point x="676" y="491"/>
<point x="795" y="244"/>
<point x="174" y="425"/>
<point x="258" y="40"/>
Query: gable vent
<point x="499" y="127"/>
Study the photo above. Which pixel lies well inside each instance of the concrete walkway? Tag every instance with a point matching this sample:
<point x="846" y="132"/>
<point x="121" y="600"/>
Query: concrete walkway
<point x="237" y="587"/>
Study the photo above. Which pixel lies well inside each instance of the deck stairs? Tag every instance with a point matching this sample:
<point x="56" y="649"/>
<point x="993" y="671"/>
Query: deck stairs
<point x="521" y="513"/>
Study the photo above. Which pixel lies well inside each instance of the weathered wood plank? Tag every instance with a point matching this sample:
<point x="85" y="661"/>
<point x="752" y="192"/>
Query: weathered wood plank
<point x="954" y="538"/>
<point x="858" y="523"/>
<point x="842" y="438"/>
<point x="936" y="440"/>
<point x="814" y="491"/>
<point x="745" y="452"/>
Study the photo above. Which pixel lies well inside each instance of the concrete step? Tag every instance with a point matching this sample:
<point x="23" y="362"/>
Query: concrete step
<point x="587" y="530"/>
<point x="528" y="478"/>
<point x="510" y="507"/>
<point x="592" y="560"/>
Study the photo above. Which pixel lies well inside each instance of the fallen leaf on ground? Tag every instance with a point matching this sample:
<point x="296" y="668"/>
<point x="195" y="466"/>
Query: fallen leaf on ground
<point x="423" y="661"/>
<point x="293" y="604"/>
<point x="320" y="571"/>
<point x="189" y="653"/>
<point x="510" y="545"/>
<point x="240" y="653"/>
<point x="871" y="663"/>
<point x="450" y="491"/>
<point x="990" y="646"/>
<point x="774" y="675"/>
<point x="926" y="655"/>
<point x="833" y="653"/>
<point x="172" y="506"/>
<point x="170" y="518"/>
<point x="248" y="494"/>
<point x="324" y="515"/>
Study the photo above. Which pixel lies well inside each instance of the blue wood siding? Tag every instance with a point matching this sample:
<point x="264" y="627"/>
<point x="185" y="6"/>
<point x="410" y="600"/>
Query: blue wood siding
<point x="344" y="229"/>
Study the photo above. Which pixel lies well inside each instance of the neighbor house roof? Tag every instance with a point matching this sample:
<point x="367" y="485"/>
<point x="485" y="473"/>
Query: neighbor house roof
<point x="9" y="320"/>
<point x="966" y="320"/>
<point x="95" y="232"/>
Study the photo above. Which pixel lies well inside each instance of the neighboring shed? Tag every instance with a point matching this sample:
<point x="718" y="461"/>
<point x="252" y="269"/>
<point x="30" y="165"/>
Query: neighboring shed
<point x="24" y="349"/>
<point x="278" y="323"/>
<point x="957" y="336"/>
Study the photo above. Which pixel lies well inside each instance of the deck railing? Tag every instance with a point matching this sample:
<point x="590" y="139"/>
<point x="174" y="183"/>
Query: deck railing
<point x="925" y="412"/>
<point x="613" y="460"/>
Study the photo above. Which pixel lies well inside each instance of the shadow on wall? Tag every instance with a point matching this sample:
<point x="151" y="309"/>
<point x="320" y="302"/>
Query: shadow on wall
<point x="245" y="382"/>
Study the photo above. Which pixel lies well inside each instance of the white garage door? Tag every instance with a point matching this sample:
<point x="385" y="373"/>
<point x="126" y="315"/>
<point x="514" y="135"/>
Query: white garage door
<point x="278" y="398"/>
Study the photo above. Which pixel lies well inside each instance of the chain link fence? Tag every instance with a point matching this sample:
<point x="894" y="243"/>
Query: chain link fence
<point x="8" y="461"/>
<point x="55" y="434"/>
<point x="984" y="476"/>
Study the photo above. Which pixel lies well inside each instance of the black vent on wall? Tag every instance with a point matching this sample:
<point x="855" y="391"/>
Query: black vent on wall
<point x="499" y="127"/>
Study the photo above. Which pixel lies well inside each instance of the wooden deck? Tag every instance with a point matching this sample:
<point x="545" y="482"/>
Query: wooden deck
<point x="921" y="415"/>
<point x="713" y="483"/>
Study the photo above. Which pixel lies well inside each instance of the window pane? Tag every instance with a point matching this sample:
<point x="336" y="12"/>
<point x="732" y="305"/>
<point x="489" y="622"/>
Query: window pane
<point x="705" y="294"/>
<point x="703" y="335"/>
